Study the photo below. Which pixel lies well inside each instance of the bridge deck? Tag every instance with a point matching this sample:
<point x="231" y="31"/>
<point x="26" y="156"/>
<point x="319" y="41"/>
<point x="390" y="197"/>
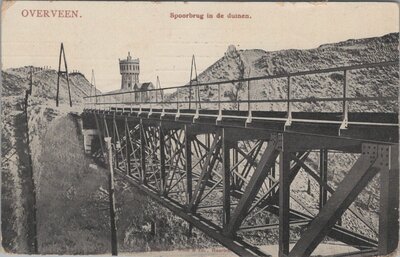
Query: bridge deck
<point x="382" y="127"/>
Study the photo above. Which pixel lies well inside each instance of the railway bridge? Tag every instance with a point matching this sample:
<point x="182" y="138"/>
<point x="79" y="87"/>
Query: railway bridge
<point x="227" y="162"/>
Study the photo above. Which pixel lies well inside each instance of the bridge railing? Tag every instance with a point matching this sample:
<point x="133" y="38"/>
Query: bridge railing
<point x="355" y="87"/>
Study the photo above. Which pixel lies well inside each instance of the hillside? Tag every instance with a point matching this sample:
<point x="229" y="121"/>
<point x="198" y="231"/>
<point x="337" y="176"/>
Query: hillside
<point x="17" y="148"/>
<point x="237" y="64"/>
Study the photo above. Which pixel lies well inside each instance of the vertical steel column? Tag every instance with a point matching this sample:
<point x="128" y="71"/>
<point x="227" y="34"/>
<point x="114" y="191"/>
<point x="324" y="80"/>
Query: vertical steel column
<point x="226" y="179"/>
<point x="389" y="202"/>
<point x="323" y="172"/>
<point x="289" y="107"/>
<point x="273" y="170"/>
<point x="115" y="140"/>
<point x="114" y="250"/>
<point x="162" y="161"/>
<point x="235" y="157"/>
<point x="284" y="201"/>
<point x="188" y="163"/>
<point x="142" y="153"/>
<point x="127" y="148"/>
<point x="208" y="141"/>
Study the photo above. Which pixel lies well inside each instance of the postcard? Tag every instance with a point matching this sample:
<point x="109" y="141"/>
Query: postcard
<point x="200" y="128"/>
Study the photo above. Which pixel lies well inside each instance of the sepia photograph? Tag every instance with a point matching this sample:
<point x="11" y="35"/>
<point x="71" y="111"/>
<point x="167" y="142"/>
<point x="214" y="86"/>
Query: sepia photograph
<point x="164" y="128"/>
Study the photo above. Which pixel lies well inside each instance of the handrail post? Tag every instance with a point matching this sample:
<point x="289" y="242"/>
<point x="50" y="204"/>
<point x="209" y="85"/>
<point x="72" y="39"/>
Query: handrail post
<point x="196" y="96"/>
<point x="190" y="94"/>
<point x="197" y="100"/>
<point x="177" y="99"/>
<point x="219" y="97"/>
<point x="162" y="103"/>
<point x="219" y="118"/>
<point x="345" y="107"/>
<point x="248" y="96"/>
<point x="288" y="103"/>
<point x="178" y="113"/>
<point x="249" y="117"/>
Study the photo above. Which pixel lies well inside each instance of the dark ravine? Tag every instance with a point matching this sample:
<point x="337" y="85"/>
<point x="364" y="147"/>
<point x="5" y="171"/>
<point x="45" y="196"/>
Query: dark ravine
<point x="30" y="185"/>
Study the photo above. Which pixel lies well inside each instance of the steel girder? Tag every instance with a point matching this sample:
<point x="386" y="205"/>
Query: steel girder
<point x="232" y="173"/>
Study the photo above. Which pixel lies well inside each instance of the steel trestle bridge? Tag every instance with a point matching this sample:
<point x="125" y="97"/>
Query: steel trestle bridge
<point x="224" y="162"/>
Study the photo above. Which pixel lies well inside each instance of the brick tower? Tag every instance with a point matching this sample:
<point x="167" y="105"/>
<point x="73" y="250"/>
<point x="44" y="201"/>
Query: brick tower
<point x="129" y="69"/>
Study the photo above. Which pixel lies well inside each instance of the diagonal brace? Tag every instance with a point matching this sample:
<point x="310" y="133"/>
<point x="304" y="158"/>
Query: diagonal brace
<point x="267" y="160"/>
<point x="205" y="173"/>
<point x="358" y="177"/>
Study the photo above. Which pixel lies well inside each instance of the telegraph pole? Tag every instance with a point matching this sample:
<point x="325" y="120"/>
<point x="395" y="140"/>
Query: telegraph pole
<point x="193" y="69"/>
<point x="93" y="84"/>
<point x="60" y="72"/>
<point x="114" y="246"/>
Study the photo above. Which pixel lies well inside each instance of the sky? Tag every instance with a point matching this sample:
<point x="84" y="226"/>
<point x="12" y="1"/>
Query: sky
<point x="103" y="32"/>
